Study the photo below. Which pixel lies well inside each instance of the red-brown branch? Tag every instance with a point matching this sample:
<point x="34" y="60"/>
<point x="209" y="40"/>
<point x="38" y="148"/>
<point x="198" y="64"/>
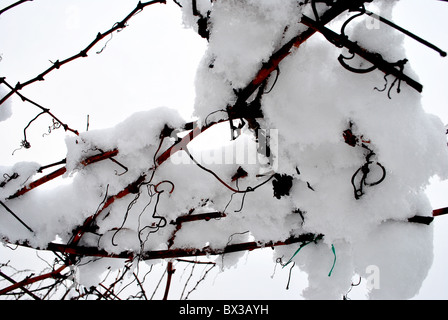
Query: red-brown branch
<point x="178" y="252"/>
<point x="13" y="5"/>
<point x="285" y="51"/>
<point x="61" y="171"/>
<point x="244" y="95"/>
<point x="73" y="248"/>
<point x="100" y="157"/>
<point x="200" y="216"/>
<point x="53" y="274"/>
<point x="439" y="212"/>
<point x="44" y="110"/>
<point x="170" y="271"/>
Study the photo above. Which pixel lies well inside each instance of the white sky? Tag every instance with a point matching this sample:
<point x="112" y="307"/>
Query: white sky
<point x="153" y="62"/>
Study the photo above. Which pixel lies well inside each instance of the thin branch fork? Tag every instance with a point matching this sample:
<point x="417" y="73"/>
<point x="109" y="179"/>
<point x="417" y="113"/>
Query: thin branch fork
<point x="131" y="188"/>
<point x="83" y="53"/>
<point x="192" y="217"/>
<point x="44" y="110"/>
<point x="439" y="212"/>
<point x="53" y="274"/>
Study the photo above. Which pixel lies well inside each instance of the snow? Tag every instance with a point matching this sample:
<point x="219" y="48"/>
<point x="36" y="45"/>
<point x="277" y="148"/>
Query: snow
<point x="6" y="109"/>
<point x="312" y="103"/>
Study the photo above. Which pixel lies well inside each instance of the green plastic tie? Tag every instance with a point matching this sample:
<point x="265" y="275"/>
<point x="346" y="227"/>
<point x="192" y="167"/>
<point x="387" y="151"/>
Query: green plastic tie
<point x="334" y="261"/>
<point x="295" y="253"/>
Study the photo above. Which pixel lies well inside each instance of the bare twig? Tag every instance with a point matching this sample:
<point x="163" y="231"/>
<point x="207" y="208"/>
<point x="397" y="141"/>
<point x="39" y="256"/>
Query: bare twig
<point x="13" y="5"/>
<point x="44" y="110"/>
<point x="439" y="212"/>
<point x="179" y="252"/>
<point x="200" y="280"/>
<point x="170" y="271"/>
<point x="53" y="274"/>
<point x="21" y="287"/>
<point x="83" y="53"/>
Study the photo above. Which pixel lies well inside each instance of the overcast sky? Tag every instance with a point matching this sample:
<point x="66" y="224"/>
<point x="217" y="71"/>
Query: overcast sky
<point x="151" y="63"/>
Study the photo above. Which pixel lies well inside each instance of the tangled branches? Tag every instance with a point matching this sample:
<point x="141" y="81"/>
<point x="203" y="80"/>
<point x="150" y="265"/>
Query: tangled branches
<point x="138" y="189"/>
<point x="58" y="64"/>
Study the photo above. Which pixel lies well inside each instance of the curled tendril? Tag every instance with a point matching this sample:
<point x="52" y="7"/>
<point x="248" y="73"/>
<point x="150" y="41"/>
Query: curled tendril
<point x="362" y="11"/>
<point x="23" y="144"/>
<point x="162" y="182"/>
<point x="391" y="86"/>
<point x="55" y="125"/>
<point x="154" y="227"/>
<point x="8" y="178"/>
<point x="365" y="170"/>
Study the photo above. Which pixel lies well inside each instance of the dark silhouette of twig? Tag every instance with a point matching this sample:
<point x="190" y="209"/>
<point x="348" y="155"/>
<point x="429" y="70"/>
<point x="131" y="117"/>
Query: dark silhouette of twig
<point x="200" y="280"/>
<point x="15" y="216"/>
<point x="30" y="280"/>
<point x="170" y="271"/>
<point x="83" y="53"/>
<point x="13" y="5"/>
<point x="43" y="109"/>
<point x="21" y="287"/>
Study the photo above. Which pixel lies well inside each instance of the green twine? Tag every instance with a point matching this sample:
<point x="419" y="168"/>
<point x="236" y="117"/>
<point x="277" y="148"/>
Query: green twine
<point x="306" y="243"/>
<point x="334" y="261"/>
<point x="295" y="253"/>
